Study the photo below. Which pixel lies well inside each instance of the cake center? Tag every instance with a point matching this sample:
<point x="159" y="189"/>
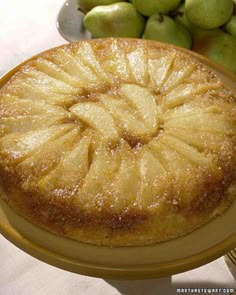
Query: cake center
<point x="130" y="112"/>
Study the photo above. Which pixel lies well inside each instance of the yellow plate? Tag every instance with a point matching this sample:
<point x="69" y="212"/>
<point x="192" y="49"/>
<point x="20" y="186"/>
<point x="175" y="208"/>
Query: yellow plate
<point x="163" y="259"/>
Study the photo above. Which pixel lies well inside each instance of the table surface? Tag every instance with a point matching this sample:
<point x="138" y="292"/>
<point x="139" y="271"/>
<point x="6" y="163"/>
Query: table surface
<point x="26" y="28"/>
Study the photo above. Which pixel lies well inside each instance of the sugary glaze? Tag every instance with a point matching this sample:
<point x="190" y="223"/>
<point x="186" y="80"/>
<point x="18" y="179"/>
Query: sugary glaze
<point x="117" y="142"/>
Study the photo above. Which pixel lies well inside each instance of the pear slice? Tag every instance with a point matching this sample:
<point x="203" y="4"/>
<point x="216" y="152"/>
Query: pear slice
<point x="144" y="102"/>
<point x="200" y="105"/>
<point x="178" y="73"/>
<point x="159" y="68"/>
<point x="17" y="147"/>
<point x="150" y="172"/>
<point x="29" y="88"/>
<point x="86" y="54"/>
<point x="12" y="106"/>
<point x="29" y="123"/>
<point x="68" y="176"/>
<point x="127" y="179"/>
<point x="179" y="172"/>
<point x="206" y="122"/>
<point x="66" y="60"/>
<point x="128" y="123"/>
<point x="29" y="91"/>
<point x="201" y="75"/>
<point x="185" y="92"/>
<point x="98" y="181"/>
<point x="128" y="176"/>
<point x="181" y="111"/>
<point x="50" y="68"/>
<point x="137" y="63"/>
<point x="150" y="164"/>
<point x="191" y="153"/>
<point x="94" y="115"/>
<point x="168" y="157"/>
<point x="114" y="61"/>
<point x="46" y="82"/>
<point x="44" y="160"/>
<point x="202" y="140"/>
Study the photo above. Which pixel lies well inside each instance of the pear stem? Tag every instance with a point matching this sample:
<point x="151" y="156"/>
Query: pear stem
<point x="81" y="10"/>
<point x="176" y="13"/>
<point x="160" y="18"/>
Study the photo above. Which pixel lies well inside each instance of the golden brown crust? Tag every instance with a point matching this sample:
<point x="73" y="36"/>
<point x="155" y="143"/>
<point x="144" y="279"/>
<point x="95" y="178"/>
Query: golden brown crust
<point x="132" y="143"/>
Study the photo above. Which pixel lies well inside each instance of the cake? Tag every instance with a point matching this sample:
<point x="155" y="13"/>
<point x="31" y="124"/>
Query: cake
<point x="117" y="142"/>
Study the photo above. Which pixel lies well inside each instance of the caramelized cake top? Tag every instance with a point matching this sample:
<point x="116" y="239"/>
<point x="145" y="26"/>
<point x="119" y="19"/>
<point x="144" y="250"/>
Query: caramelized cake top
<point x="117" y="142"/>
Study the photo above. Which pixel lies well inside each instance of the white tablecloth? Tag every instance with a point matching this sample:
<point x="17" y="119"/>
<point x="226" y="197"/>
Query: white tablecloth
<point x="26" y="28"/>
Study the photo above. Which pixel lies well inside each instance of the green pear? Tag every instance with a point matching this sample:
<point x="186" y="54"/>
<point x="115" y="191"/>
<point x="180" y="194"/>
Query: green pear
<point x="217" y="46"/>
<point x="149" y="7"/>
<point x="208" y="14"/>
<point x="164" y="29"/>
<point x="115" y="20"/>
<point x="230" y="26"/>
<point x="86" y="5"/>
<point x="180" y="16"/>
